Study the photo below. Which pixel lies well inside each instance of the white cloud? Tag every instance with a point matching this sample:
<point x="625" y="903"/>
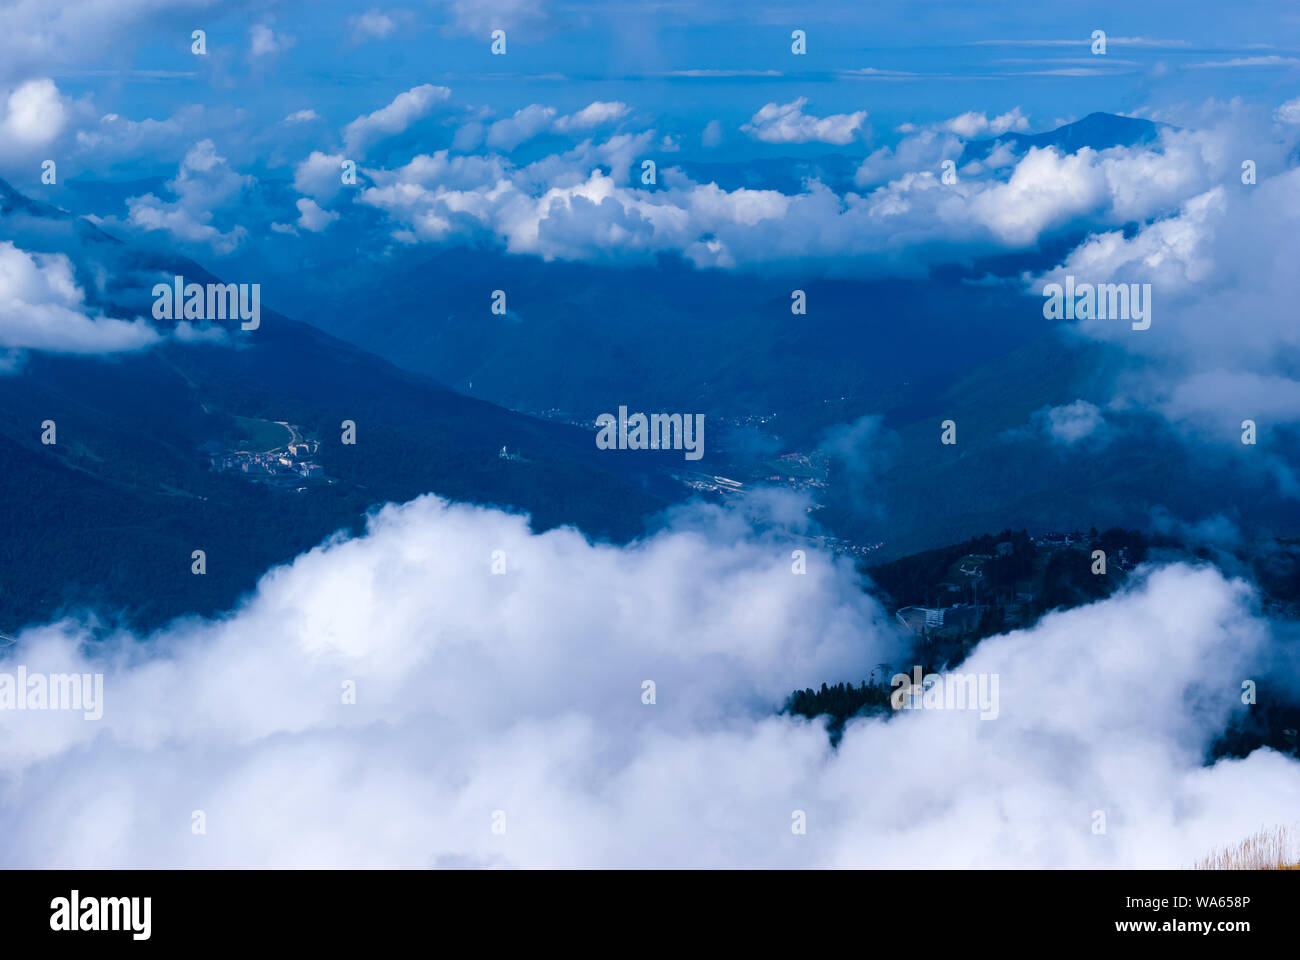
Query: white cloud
<point x="39" y="36"/>
<point x="112" y="143"/>
<point x="527" y="122"/>
<point x="595" y="114"/>
<point x="925" y="150"/>
<point x="1271" y="60"/>
<point x="562" y="206"/>
<point x="1223" y="252"/>
<point x="535" y="119"/>
<point x="1288" y="112"/>
<point x="404" y="110"/>
<point x="116" y="136"/>
<point x="559" y="207"/>
<point x="187" y="332"/>
<point x="43" y="308"/>
<point x="263" y="41"/>
<point x="311" y="217"/>
<point x="373" y="24"/>
<point x="320" y="175"/>
<point x="1172" y="253"/>
<point x="1209" y="248"/>
<point x="480" y="17"/>
<point x="971" y="125"/>
<point x="697" y="73"/>
<point x="523" y="693"/>
<point x="1219" y="396"/>
<point x="1045" y="190"/>
<point x="468" y="137"/>
<point x="712" y="135"/>
<point x="34" y="115"/>
<point x="148" y="213"/>
<point x="1071" y="423"/>
<point x="787" y="123"/>
<point x="302" y="116"/>
<point x="203" y="184"/>
<point x="926" y="147"/>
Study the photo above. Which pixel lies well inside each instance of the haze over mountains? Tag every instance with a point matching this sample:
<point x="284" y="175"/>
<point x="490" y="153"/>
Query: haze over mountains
<point x="961" y="339"/>
<point x="112" y="510"/>
<point x="861" y="382"/>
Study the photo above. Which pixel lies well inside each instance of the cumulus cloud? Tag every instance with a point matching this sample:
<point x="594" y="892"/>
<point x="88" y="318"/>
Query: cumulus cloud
<point x="439" y="195"/>
<point x="34" y="115"/>
<point x="43" y="308"/>
<point x="535" y="119"/>
<point x="1221" y="252"/>
<point x="1045" y="189"/>
<point x="1171" y="213"/>
<point x="581" y="204"/>
<point x="594" y="114"/>
<point x="528" y="122"/>
<point x="468" y="137"/>
<point x="925" y="150"/>
<point x="311" y="217"/>
<point x="1172" y="252"/>
<point x="971" y="124"/>
<point x="320" y="175"/>
<point x="112" y="143"/>
<point x="787" y="123"/>
<point x="204" y="183"/>
<point x="926" y="147"/>
<point x="1288" y="112"/>
<point x="115" y="136"/>
<point x="520" y="696"/>
<point x="405" y="109"/>
<point x="302" y="116"/>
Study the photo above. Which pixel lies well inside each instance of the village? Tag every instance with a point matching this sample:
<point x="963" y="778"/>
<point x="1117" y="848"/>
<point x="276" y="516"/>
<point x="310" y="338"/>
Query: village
<point x="286" y="467"/>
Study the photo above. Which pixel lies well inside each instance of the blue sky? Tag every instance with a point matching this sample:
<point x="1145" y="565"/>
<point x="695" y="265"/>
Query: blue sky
<point x="234" y="157"/>
<point x="928" y="61"/>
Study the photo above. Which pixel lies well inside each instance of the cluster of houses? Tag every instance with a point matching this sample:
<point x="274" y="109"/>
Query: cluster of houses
<point x="281" y="468"/>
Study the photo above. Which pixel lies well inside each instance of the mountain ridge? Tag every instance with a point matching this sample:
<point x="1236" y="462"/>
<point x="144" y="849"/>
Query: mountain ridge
<point x="106" y="518"/>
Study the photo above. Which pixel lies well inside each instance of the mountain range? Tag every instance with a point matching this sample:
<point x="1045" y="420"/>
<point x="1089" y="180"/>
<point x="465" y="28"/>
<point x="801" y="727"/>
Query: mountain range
<point x="108" y="517"/>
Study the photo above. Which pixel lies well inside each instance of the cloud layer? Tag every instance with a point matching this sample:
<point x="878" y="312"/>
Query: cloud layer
<point x="517" y="698"/>
<point x="43" y="308"/>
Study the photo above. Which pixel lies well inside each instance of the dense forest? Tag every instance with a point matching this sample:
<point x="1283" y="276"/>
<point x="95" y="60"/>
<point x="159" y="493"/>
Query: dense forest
<point x="1022" y="578"/>
<point x="840" y="703"/>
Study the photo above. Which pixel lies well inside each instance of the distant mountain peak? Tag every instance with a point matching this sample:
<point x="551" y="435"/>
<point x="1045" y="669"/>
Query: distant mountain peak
<point x="1098" y="130"/>
<point x="11" y="201"/>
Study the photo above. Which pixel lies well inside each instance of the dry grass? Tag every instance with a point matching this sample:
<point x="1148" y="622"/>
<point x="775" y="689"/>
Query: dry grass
<point x="1274" y="849"/>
